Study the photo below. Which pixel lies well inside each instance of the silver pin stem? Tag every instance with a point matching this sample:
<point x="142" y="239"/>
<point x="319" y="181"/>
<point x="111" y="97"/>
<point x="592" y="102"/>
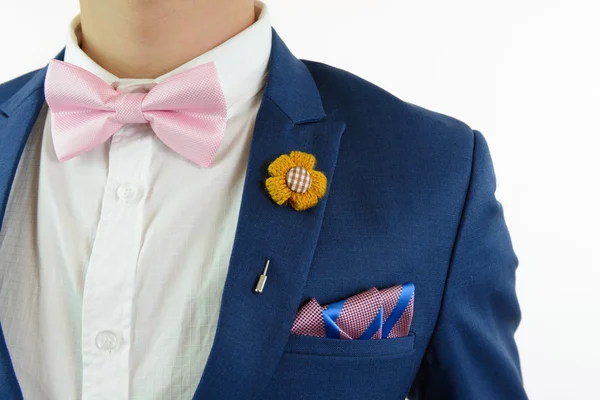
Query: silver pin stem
<point x="262" y="279"/>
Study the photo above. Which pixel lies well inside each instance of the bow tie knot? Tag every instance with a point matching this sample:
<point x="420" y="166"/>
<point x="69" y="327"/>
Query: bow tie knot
<point x="128" y="108"/>
<point x="187" y="111"/>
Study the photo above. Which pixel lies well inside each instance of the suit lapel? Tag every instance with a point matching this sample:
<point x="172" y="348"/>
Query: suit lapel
<point x="253" y="328"/>
<point x="17" y="116"/>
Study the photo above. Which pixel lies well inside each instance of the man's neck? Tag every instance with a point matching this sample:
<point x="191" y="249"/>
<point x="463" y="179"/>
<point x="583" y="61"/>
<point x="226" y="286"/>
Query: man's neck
<point x="147" y="38"/>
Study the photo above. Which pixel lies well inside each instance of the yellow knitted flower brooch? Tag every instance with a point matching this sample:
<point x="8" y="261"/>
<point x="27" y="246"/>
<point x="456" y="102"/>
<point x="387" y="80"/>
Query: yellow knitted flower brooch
<point x="294" y="180"/>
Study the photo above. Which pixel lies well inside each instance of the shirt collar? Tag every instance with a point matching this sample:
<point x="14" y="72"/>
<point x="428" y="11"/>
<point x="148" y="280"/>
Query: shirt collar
<point x="241" y="62"/>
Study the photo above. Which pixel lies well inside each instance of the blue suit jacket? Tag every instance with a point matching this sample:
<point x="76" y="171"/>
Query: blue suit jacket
<point x="410" y="198"/>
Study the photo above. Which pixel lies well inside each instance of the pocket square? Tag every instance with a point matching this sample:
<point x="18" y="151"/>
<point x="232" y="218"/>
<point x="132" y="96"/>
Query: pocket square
<point x="372" y="314"/>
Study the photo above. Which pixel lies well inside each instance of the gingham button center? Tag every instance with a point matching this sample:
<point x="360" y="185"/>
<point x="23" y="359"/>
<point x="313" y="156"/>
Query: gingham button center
<point x="298" y="179"/>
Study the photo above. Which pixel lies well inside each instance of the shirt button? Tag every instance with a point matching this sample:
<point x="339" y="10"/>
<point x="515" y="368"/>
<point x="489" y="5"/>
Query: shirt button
<point x="127" y="192"/>
<point x="107" y="340"/>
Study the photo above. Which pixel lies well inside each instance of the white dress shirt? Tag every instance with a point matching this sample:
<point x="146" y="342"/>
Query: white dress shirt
<point x="112" y="281"/>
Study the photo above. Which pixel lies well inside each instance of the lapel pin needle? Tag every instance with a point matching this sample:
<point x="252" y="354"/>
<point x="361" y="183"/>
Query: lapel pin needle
<point x="262" y="279"/>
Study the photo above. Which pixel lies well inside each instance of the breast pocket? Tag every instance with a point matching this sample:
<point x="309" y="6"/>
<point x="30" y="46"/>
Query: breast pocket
<point x="319" y="368"/>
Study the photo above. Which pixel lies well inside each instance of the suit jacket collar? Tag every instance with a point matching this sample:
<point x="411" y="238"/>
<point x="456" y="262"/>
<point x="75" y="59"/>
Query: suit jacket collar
<point x="291" y="86"/>
<point x="252" y="328"/>
<point x="30" y="87"/>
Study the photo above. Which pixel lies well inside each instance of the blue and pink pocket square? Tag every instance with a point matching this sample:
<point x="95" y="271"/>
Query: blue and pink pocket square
<point x="372" y="314"/>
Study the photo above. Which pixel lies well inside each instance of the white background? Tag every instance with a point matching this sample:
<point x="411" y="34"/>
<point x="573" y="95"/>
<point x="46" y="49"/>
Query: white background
<point x="526" y="73"/>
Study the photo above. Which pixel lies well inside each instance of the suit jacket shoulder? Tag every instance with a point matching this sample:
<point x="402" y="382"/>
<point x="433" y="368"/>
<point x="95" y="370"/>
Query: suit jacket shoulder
<point x="391" y="126"/>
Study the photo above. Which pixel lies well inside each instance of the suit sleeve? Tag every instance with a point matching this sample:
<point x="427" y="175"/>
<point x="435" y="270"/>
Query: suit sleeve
<point x="472" y="353"/>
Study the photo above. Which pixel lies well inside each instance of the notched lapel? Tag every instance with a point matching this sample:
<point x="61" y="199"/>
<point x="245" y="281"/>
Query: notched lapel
<point x="253" y="328"/>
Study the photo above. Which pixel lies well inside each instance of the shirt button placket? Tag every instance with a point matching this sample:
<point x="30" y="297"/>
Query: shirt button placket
<point x="110" y="277"/>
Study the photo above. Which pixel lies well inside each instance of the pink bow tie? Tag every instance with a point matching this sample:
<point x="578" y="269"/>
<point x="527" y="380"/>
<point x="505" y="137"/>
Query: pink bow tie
<point x="186" y="111"/>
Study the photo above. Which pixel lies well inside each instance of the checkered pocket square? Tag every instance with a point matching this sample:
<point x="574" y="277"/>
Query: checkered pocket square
<point x="372" y="314"/>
